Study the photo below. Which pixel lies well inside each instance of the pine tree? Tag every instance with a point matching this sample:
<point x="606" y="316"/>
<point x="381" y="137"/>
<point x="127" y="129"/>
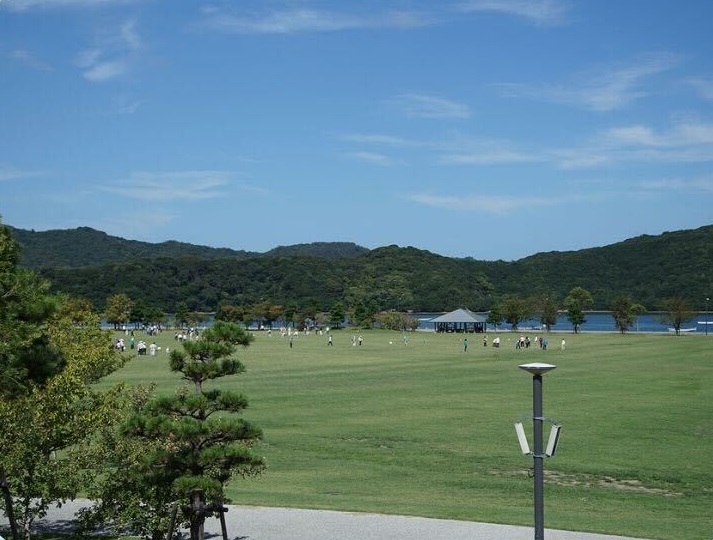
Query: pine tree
<point x="209" y="443"/>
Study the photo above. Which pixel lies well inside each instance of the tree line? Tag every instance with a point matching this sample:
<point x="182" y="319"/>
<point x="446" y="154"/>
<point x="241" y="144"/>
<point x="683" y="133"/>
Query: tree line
<point x="140" y="456"/>
<point x="649" y="269"/>
<point x="142" y="459"/>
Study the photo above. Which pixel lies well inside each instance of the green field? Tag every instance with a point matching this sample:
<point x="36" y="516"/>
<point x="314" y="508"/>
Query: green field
<point x="426" y="429"/>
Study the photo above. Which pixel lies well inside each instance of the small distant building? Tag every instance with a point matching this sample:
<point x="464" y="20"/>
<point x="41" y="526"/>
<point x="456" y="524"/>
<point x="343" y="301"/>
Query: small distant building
<point x="460" y="320"/>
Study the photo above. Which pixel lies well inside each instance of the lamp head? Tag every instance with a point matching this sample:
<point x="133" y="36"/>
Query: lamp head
<point x="537" y="368"/>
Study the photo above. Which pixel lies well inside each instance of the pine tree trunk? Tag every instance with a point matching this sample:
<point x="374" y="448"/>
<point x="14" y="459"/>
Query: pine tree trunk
<point x="197" y="519"/>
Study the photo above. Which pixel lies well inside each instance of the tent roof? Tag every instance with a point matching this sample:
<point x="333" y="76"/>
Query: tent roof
<point x="459" y="316"/>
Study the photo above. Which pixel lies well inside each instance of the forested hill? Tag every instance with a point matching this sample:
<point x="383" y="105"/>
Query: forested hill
<point x="648" y="269"/>
<point x="84" y="246"/>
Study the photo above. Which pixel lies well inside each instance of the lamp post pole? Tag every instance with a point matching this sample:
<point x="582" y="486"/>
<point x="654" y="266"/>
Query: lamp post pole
<point x="707" y="300"/>
<point x="538" y="455"/>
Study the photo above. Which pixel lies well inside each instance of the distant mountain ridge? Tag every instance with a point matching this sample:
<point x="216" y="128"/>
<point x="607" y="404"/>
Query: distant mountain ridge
<point x="91" y="264"/>
<point x="85" y="247"/>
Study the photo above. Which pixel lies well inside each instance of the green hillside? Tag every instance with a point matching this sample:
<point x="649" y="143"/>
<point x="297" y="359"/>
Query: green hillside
<point x="94" y="265"/>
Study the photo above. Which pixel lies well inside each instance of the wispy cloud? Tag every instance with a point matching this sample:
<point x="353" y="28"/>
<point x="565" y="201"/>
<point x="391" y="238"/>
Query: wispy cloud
<point x="686" y="133"/>
<point x="687" y="141"/>
<point x="500" y="206"/>
<point x="486" y="152"/>
<point x="372" y="158"/>
<point x="113" y="55"/>
<point x="30" y="60"/>
<point x="607" y="90"/>
<point x="9" y="173"/>
<point x="424" y="106"/>
<point x="126" y="106"/>
<point x="379" y="139"/>
<point x="541" y="12"/>
<point x="458" y="150"/>
<point x="309" y="20"/>
<point x="23" y="5"/>
<point x="700" y="185"/>
<point x="704" y="87"/>
<point x="172" y="186"/>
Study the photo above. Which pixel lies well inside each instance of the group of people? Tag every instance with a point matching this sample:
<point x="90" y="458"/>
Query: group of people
<point x="141" y="347"/>
<point x="523" y="342"/>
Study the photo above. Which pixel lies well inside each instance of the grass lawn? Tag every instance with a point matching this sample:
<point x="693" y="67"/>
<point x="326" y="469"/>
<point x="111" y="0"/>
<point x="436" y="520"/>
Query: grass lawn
<point x="426" y="429"/>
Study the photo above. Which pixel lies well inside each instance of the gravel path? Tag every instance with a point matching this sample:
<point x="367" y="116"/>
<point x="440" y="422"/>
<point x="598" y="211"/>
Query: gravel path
<point x="262" y="523"/>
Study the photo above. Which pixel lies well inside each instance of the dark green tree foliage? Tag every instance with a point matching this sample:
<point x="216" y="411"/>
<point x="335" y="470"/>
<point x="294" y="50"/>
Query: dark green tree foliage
<point x="495" y="315"/>
<point x="547" y="308"/>
<point x="211" y="442"/>
<point x="514" y="310"/>
<point x="624" y="311"/>
<point x="647" y="268"/>
<point x="26" y="355"/>
<point x="577" y="302"/>
<point x="677" y="312"/>
<point x="51" y="353"/>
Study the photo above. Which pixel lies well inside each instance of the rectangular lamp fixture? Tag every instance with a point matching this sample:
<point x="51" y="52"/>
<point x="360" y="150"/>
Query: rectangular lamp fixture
<point x="522" y="438"/>
<point x="554" y="439"/>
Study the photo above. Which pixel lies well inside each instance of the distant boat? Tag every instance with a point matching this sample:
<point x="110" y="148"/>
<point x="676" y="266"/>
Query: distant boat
<point x="705" y="322"/>
<point x="683" y="329"/>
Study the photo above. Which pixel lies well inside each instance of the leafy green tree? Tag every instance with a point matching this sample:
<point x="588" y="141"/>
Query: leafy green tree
<point x="181" y="314"/>
<point x="45" y="427"/>
<point x="230" y="313"/>
<point x="196" y="318"/>
<point x="577" y="302"/>
<point x="211" y="443"/>
<point x="678" y="311"/>
<point x="514" y="310"/>
<point x="547" y="309"/>
<point x="495" y="316"/>
<point x="336" y="315"/>
<point x="26" y="356"/>
<point x="267" y="312"/>
<point x="118" y="309"/>
<point x="129" y="492"/>
<point x="396" y="320"/>
<point x="624" y="311"/>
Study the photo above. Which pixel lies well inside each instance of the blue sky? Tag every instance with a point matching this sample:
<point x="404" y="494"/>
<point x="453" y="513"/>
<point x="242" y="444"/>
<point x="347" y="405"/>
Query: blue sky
<point x="494" y="129"/>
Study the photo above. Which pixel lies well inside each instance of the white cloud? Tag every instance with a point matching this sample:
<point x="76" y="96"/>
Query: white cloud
<point x="123" y="106"/>
<point x="687" y="133"/>
<point x="30" y="60"/>
<point x="8" y="173"/>
<point x="480" y="203"/>
<point x="113" y="55"/>
<point x="453" y="151"/>
<point x="701" y="185"/>
<point x="372" y="158"/>
<point x="542" y="12"/>
<point x="423" y="106"/>
<point x="704" y="87"/>
<point x="309" y="20"/>
<point x="608" y="90"/>
<point x="489" y="153"/>
<point x="171" y="186"/>
<point x="687" y="141"/>
<point x="105" y="71"/>
<point x="381" y="140"/>
<point x="24" y="5"/>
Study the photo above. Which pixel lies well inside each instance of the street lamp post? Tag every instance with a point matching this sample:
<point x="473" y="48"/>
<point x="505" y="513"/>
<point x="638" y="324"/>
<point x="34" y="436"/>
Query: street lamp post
<point x="537" y="370"/>
<point x="707" y="300"/>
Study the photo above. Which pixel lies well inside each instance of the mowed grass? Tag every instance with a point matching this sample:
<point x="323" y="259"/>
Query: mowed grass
<point x="426" y="429"/>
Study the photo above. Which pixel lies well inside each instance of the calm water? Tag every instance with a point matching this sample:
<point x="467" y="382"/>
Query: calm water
<point x="596" y="322"/>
